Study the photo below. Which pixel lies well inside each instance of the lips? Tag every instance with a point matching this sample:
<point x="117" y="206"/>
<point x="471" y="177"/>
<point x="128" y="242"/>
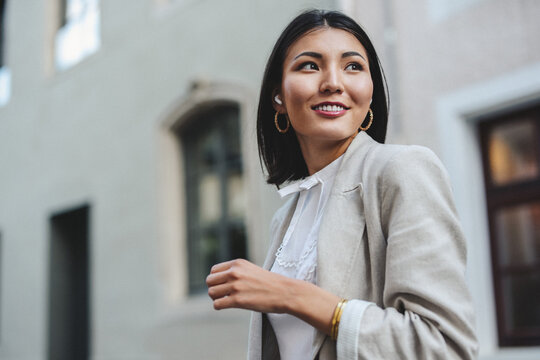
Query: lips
<point x="330" y="108"/>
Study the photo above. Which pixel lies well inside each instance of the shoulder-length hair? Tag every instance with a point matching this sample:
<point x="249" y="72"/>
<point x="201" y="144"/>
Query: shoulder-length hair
<point x="280" y="153"/>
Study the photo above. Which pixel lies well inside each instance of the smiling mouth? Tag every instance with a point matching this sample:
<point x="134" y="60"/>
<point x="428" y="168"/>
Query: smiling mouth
<point x="330" y="109"/>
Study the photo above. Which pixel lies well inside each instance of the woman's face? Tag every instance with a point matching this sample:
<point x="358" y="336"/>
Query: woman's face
<point x="326" y="87"/>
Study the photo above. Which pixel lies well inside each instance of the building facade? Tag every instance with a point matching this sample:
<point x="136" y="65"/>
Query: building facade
<point x="129" y="165"/>
<point x="464" y="81"/>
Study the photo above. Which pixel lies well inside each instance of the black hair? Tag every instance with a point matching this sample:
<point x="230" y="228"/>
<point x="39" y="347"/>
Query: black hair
<point x="281" y="153"/>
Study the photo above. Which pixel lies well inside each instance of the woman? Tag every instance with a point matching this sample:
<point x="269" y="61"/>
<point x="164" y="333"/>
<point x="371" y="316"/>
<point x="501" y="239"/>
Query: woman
<point x="367" y="257"/>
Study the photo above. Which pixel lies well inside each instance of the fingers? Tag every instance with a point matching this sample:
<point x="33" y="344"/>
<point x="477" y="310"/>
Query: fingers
<point x="222" y="266"/>
<point x="228" y="296"/>
<point x="224" y="282"/>
<point x="224" y="303"/>
<point x="237" y="284"/>
<point x="219" y="291"/>
<point x="221" y="273"/>
<point x="216" y="279"/>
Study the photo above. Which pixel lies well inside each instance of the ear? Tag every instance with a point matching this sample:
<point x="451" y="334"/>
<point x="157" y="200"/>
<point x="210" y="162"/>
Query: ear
<point x="277" y="102"/>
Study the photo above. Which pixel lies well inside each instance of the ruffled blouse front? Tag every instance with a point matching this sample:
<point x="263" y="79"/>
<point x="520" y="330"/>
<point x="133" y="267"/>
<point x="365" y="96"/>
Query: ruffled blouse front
<point x="297" y="256"/>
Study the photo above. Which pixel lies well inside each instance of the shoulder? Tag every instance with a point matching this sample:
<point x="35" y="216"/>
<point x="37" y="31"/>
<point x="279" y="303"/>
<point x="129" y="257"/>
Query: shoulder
<point x="399" y="162"/>
<point x="373" y="163"/>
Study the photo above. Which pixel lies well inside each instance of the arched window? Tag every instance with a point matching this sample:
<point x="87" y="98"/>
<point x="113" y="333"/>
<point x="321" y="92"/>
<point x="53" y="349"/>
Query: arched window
<point x="215" y="197"/>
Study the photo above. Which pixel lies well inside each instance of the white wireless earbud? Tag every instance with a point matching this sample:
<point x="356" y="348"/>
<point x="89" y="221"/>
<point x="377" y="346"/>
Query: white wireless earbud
<point x="370" y="101"/>
<point x="277" y="100"/>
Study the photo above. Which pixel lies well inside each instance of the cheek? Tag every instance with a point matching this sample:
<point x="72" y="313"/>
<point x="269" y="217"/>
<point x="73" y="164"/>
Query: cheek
<point x="362" y="90"/>
<point x="295" y="92"/>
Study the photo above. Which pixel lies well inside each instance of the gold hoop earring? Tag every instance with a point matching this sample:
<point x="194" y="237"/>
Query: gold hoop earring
<point x="282" y="131"/>
<point x="370" y="121"/>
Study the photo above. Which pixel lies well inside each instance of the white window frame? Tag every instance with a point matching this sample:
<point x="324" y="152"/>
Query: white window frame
<point x="80" y="36"/>
<point x="456" y="118"/>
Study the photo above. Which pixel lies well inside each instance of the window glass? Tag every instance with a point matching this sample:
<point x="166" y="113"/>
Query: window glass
<point x="236" y="194"/>
<point x="79" y="33"/>
<point x="2" y="32"/>
<point x="5" y="85"/>
<point x="215" y="193"/>
<point x="518" y="234"/>
<point x="522" y="294"/>
<point x="512" y="152"/>
<point x="512" y="182"/>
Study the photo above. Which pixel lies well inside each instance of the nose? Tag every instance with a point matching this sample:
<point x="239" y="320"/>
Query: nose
<point x="331" y="82"/>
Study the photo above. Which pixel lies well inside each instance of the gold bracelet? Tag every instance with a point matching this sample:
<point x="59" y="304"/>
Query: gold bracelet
<point x="336" y="318"/>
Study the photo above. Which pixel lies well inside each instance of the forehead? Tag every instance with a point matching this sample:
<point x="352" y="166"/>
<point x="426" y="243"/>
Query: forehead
<point x="326" y="40"/>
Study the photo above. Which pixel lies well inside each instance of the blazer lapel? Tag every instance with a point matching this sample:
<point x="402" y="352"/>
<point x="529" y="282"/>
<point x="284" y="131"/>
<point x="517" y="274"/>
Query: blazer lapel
<point x="343" y="222"/>
<point x="342" y="229"/>
<point x="340" y="237"/>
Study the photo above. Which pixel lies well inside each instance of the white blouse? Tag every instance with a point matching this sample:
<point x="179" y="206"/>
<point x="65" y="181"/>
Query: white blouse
<point x="297" y="256"/>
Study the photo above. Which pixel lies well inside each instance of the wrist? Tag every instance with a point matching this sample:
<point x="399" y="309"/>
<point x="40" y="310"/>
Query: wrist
<point x="336" y="318"/>
<point x="310" y="303"/>
<point x="291" y="300"/>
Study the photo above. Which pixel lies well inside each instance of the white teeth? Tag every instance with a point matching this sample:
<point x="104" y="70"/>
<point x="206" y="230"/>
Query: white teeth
<point x="330" y="108"/>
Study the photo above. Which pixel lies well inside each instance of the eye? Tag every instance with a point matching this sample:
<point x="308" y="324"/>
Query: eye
<point x="308" y="66"/>
<point x="354" y="67"/>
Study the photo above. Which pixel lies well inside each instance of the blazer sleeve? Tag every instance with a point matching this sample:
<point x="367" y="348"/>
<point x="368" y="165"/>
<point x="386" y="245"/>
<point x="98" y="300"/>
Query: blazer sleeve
<point x="427" y="310"/>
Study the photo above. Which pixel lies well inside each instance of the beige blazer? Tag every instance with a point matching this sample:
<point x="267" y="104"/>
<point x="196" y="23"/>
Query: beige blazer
<point x="390" y="235"/>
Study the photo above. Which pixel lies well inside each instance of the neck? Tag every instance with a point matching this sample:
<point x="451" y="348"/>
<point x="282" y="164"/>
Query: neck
<point x="318" y="154"/>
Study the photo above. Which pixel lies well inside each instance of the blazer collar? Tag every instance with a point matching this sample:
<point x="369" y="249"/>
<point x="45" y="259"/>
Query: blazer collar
<point x="347" y="178"/>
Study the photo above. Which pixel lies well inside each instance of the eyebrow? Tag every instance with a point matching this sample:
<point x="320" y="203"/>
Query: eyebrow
<point x="319" y="56"/>
<point x="352" y="53"/>
<point x="309" y="53"/>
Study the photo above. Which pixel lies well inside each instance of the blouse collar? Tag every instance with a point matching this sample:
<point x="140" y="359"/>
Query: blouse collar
<point x="320" y="177"/>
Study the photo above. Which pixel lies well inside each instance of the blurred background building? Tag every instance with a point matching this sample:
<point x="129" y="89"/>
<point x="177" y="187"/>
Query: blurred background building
<point x="128" y="162"/>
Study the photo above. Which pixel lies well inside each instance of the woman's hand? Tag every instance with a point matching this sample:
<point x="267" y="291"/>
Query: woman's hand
<point x="241" y="284"/>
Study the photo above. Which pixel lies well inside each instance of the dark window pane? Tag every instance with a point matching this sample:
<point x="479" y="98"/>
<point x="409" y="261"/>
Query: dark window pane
<point x="237" y="236"/>
<point x="69" y="285"/>
<point x="512" y="152"/>
<point x="510" y="155"/>
<point x="2" y="31"/>
<point x="522" y="301"/>
<point x="214" y="190"/>
<point x="518" y="234"/>
<point x="62" y="12"/>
